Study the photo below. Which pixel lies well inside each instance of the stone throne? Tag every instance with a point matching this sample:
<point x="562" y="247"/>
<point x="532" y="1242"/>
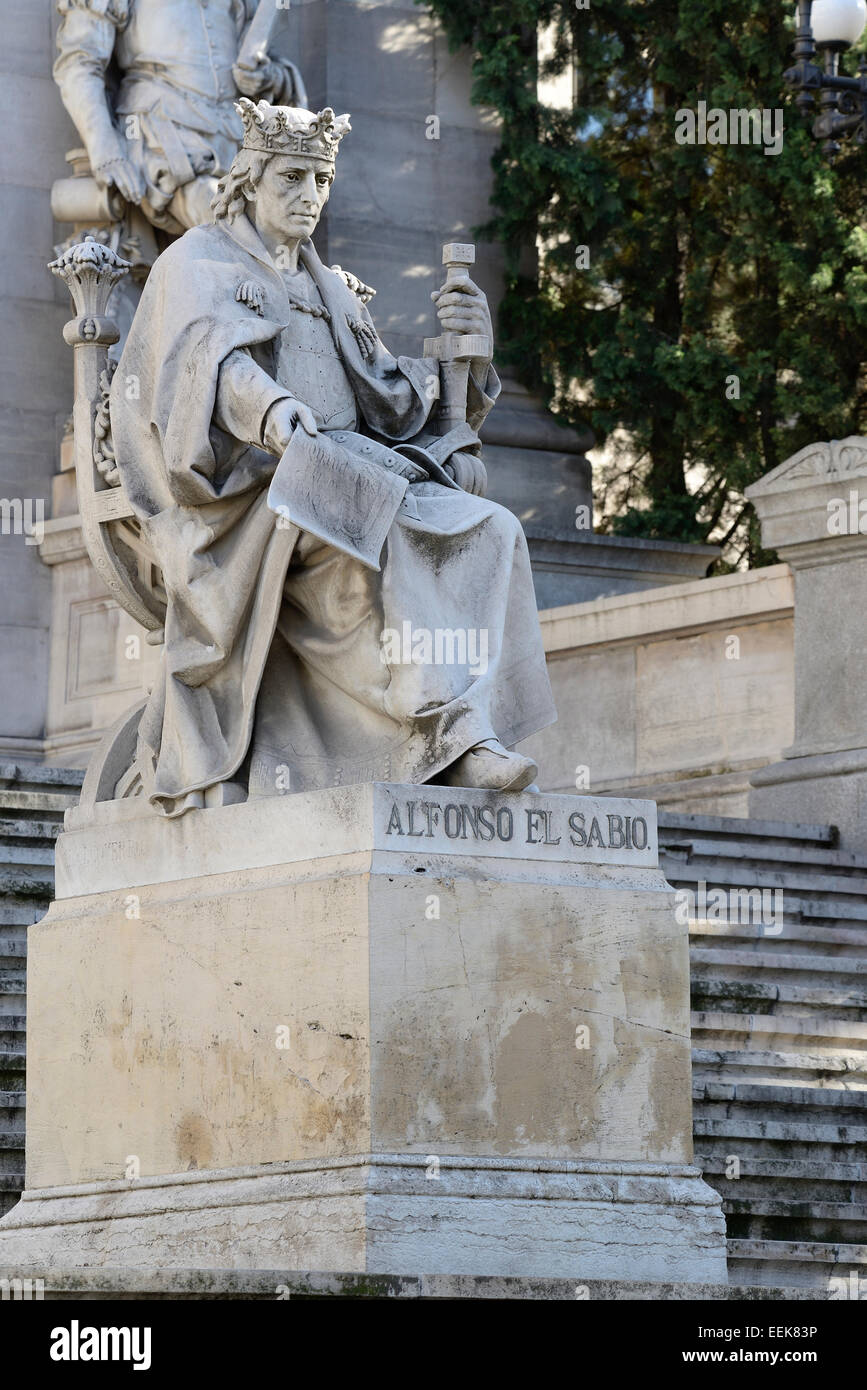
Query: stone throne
<point x="111" y="532"/>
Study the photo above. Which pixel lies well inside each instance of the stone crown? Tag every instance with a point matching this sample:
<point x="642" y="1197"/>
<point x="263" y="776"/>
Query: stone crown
<point x="291" y="129"/>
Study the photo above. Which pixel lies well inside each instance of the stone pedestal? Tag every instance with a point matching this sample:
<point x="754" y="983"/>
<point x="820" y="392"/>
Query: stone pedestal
<point x="405" y="1030"/>
<point x="813" y="510"/>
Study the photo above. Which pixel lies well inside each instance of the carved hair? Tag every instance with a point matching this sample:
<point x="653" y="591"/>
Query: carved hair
<point x="239" y="184"/>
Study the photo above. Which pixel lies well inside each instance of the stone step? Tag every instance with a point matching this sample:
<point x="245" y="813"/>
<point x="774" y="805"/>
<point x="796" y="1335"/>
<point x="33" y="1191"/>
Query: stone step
<point x="794" y="1138"/>
<point x="764" y="1169"/>
<point x="777" y="1031"/>
<point x="795" y="883"/>
<point x="806" y="937"/>
<point x="13" y="855"/>
<point x="35" y="886"/>
<point x="37" y="831"/>
<point x="677" y="824"/>
<point x="801" y="1198"/>
<point x="754" y="996"/>
<point x="808" y="1221"/>
<point x="812" y="1203"/>
<point x="842" y="913"/>
<point x="763" y="855"/>
<point x="11" y="1187"/>
<point x="12" y="1034"/>
<point x="795" y="1263"/>
<point x="855" y="1213"/>
<point x="812" y="1098"/>
<point x="744" y="1123"/>
<point x="40" y="802"/>
<point x="781" y="1102"/>
<point x="12" y="950"/>
<point x="732" y="963"/>
<point x="845" y="1070"/>
<point x="11" y="1059"/>
<point x="733" y="1121"/>
<point x="35" y="776"/>
<point x="21" y="912"/>
<point x="12" y="1114"/>
<point x="848" y="911"/>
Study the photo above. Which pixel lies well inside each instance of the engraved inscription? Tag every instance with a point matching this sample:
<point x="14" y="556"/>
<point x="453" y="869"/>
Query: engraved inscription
<point x="531" y="825"/>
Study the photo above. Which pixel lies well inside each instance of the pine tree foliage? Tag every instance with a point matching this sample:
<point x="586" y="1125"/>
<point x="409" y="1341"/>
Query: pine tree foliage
<point x="716" y="322"/>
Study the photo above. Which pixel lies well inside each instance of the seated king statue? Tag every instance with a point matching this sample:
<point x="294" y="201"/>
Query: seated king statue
<point x="343" y="604"/>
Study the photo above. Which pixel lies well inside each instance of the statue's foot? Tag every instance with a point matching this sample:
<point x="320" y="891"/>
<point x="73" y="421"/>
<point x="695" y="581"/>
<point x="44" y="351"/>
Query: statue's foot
<point x="491" y="767"/>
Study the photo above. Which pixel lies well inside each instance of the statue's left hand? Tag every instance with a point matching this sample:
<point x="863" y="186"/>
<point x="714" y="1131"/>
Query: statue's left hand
<point x="254" y="82"/>
<point x="463" y="308"/>
<point x="468" y="472"/>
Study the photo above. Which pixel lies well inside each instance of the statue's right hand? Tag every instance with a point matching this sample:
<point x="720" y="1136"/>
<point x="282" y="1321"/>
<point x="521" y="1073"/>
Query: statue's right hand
<point x="123" y="175"/>
<point x="283" y="418"/>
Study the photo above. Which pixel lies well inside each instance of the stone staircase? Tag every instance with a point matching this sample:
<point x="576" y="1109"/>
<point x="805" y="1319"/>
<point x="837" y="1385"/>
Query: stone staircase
<point x="32" y="803"/>
<point x="779" y="1030"/>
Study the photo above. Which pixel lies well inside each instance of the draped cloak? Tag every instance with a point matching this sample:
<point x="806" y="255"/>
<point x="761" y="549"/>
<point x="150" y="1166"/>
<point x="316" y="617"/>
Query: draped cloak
<point x="200" y="493"/>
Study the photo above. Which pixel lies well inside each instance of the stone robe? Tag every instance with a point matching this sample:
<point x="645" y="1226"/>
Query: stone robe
<point x="275" y="668"/>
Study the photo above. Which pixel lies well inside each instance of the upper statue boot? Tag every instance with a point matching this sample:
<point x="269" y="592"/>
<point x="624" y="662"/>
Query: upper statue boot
<point x="489" y="766"/>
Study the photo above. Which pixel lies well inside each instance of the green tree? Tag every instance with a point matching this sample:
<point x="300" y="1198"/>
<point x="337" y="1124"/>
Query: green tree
<point x="715" y="324"/>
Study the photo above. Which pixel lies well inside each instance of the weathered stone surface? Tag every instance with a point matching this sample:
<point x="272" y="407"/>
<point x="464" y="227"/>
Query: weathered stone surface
<point x="261" y="1284"/>
<point x="677" y="693"/>
<point x="34" y="369"/>
<point x="32" y="801"/>
<point x="316" y="980"/>
<point x="387" y="1215"/>
<point x="779" y="1030"/>
<point x="811" y="511"/>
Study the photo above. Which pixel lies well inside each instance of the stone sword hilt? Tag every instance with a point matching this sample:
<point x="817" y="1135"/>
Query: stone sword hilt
<point x="455" y="351"/>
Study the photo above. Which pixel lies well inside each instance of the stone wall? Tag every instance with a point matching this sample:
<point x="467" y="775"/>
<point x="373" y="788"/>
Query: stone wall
<point x="35" y="366"/>
<point x="401" y="194"/>
<point x="678" y="692"/>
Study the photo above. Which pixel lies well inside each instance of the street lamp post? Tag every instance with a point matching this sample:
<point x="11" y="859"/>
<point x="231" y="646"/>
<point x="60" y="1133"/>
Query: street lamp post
<point x="831" y="26"/>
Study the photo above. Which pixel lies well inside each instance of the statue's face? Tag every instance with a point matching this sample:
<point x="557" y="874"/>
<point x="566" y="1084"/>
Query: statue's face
<point x="291" y="194"/>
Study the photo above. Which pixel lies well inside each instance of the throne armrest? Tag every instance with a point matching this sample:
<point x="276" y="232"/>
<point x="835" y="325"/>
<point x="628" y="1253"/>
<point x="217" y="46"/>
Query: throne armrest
<point x="111" y="532"/>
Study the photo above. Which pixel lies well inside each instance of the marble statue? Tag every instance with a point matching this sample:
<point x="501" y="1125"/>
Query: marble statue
<point x="342" y="603"/>
<point x="170" y="130"/>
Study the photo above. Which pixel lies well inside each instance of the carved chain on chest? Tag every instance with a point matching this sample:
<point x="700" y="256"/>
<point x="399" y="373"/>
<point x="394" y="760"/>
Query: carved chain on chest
<point x="252" y="294"/>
